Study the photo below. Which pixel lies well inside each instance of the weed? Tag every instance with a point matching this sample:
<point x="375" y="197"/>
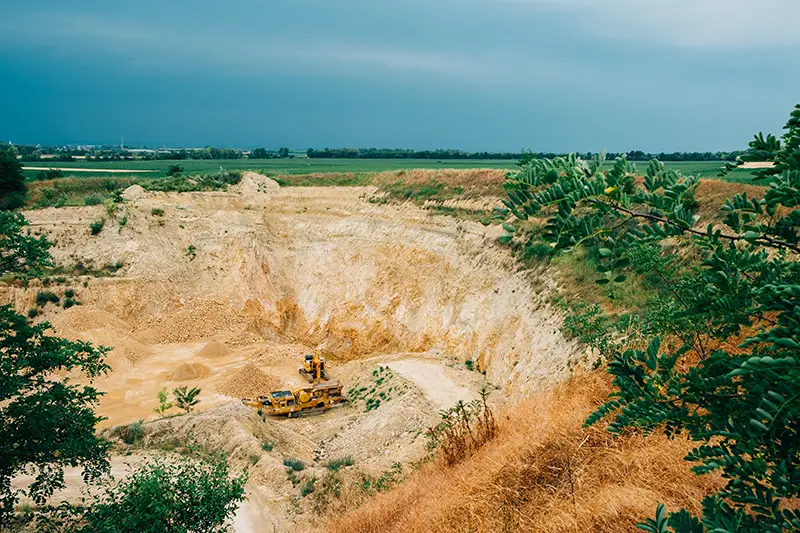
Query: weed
<point x="97" y="226"/>
<point x="122" y="222"/>
<point x="157" y="212"/>
<point x="132" y="433"/>
<point x="190" y="252"/>
<point x="336" y="464"/>
<point x="69" y="302"/>
<point x="267" y="446"/>
<point x="254" y="458"/>
<point x="163" y="404"/>
<point x="307" y="487"/>
<point x="33" y="312"/>
<point x="69" y="293"/>
<point x="93" y="199"/>
<point x="60" y="279"/>
<point x="470" y="364"/>
<point x="294" y="464"/>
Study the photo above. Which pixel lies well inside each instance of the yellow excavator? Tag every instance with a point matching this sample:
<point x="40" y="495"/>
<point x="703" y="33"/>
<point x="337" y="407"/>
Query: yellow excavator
<point x="314" y="369"/>
<point x="320" y="396"/>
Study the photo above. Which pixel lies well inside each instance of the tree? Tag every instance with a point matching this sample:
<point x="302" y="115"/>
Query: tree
<point x="174" y="170"/>
<point x="186" y="399"/>
<point x="163" y="404"/>
<point x="20" y="254"/>
<point x="259" y="153"/>
<point x="46" y="422"/>
<point x="742" y="406"/>
<point x="173" y="495"/>
<point x="283" y="152"/>
<point x="12" y="181"/>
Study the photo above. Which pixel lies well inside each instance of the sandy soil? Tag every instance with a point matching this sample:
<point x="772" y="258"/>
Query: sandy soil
<point x="758" y="164"/>
<point x="278" y="273"/>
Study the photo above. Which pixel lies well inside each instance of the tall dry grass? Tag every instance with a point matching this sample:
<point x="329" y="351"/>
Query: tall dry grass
<point x="542" y="473"/>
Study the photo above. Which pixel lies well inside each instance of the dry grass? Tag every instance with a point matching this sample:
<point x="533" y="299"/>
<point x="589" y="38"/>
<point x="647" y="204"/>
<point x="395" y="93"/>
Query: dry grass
<point x="543" y="473"/>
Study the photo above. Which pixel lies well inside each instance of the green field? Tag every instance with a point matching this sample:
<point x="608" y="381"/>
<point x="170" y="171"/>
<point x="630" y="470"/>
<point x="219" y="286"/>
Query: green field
<point x="708" y="169"/>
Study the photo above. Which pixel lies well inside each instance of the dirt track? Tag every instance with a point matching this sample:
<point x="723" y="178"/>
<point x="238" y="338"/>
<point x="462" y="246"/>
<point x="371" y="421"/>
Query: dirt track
<point x="276" y="273"/>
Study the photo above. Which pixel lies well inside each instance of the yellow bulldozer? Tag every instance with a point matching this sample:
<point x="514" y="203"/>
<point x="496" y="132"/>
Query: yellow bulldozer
<point x="314" y="369"/>
<point x="320" y="396"/>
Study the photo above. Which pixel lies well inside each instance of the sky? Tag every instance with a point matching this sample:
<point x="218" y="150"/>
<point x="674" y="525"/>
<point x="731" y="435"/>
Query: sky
<point x="541" y="75"/>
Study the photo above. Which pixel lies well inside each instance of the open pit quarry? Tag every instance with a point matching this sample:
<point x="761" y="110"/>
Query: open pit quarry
<point x="226" y="291"/>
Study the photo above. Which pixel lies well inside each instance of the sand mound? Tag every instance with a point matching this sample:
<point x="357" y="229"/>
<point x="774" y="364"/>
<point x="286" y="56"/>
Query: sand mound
<point x="133" y="192"/>
<point x="252" y="183"/>
<point x="79" y="319"/>
<point x="248" y="382"/>
<point x="214" y="349"/>
<point x="189" y="371"/>
<point x="199" y="320"/>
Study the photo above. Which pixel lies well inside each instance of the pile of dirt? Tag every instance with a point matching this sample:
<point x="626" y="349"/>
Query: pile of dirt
<point x="198" y="320"/>
<point x="133" y="192"/>
<point x="213" y="350"/>
<point x="189" y="371"/>
<point x="248" y="382"/>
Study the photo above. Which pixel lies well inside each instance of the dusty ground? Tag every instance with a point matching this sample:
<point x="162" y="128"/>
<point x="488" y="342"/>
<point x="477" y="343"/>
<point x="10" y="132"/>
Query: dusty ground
<point x="227" y="291"/>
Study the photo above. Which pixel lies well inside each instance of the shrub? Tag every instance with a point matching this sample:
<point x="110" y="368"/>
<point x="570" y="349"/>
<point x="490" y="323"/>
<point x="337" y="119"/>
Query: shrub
<point x="49" y="174"/>
<point x="97" y="226"/>
<point x="307" y="487"/>
<point x="33" y="312"/>
<point x="470" y="364"/>
<point x="267" y="446"/>
<point x="174" y="170"/>
<point x="69" y="302"/>
<point x="336" y="464"/>
<point x="43" y="297"/>
<point x="294" y="464"/>
<point x="92" y="199"/>
<point x="69" y="293"/>
<point x="132" y="433"/>
<point x="157" y="212"/>
<point x="186" y="398"/>
<point x="163" y="404"/>
<point x="12" y="182"/>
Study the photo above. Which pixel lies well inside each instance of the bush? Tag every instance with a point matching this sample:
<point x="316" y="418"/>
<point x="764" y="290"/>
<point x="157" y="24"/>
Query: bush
<point x="294" y="464"/>
<point x="97" y="226"/>
<point x="33" y="312"/>
<point x="470" y="364"/>
<point x="69" y="302"/>
<point x="336" y="464"/>
<point x="43" y="297"/>
<point x="267" y="446"/>
<point x="156" y="212"/>
<point x="180" y="495"/>
<point x="69" y="293"/>
<point x="174" y="170"/>
<point x="92" y="199"/>
<point x="537" y="251"/>
<point x="307" y="487"/>
<point x="49" y="174"/>
<point x="132" y="433"/>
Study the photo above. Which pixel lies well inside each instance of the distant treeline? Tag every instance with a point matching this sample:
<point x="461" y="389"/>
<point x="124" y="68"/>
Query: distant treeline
<point x="393" y="153"/>
<point x="111" y="153"/>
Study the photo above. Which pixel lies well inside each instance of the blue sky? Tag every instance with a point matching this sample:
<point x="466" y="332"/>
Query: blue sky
<point x="545" y="75"/>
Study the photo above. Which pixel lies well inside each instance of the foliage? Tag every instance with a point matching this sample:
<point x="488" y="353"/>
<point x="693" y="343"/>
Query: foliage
<point x="267" y="446"/>
<point x="93" y="199"/>
<point x="336" y="464"/>
<point x="12" y="181"/>
<point x="49" y="174"/>
<point x="157" y="212"/>
<point x="170" y="495"/>
<point x="307" y="487"/>
<point x="163" y="404"/>
<point x="469" y="364"/>
<point x="174" y="170"/>
<point x="294" y="464"/>
<point x="785" y="155"/>
<point x="21" y="254"/>
<point x="384" y="482"/>
<point x="97" y="226"/>
<point x="186" y="398"/>
<point x="741" y="405"/>
<point x="132" y="433"/>
<point x="463" y="429"/>
<point x="45" y="297"/>
<point x="190" y="252"/>
<point x="46" y="422"/>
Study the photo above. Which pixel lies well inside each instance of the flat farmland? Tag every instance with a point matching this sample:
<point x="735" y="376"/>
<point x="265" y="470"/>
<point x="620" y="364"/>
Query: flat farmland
<point x="154" y="169"/>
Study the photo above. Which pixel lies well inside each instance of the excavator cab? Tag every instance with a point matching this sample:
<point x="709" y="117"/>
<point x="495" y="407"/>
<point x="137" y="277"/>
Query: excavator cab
<point x="314" y="369"/>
